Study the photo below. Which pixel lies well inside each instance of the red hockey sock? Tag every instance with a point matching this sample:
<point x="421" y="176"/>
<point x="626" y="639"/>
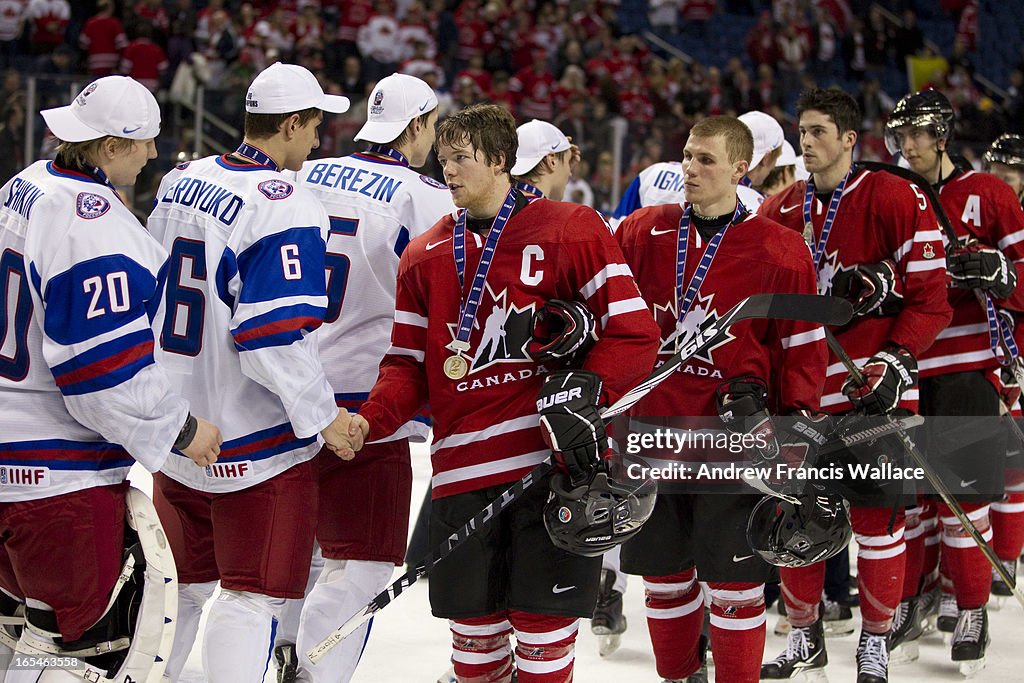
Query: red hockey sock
<point x="481" y="649"/>
<point x="675" y="614"/>
<point x="880" y="565"/>
<point x="545" y="647"/>
<point x="801" y="589"/>
<point x="932" y="543"/>
<point x="967" y="566"/>
<point x="1007" y="517"/>
<point x="913" y="536"/>
<point x="737" y="630"/>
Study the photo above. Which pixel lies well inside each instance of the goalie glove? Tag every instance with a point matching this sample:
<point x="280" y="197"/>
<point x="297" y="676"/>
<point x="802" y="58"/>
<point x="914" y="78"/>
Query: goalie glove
<point x="887" y="375"/>
<point x="743" y="406"/>
<point x="561" y="330"/>
<point x="872" y="288"/>
<point x="570" y="423"/>
<point x="977" y="267"/>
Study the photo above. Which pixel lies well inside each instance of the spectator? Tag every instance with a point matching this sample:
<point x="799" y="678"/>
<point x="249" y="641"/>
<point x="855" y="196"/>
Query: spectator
<point x="698" y="13"/>
<point x="826" y="45"/>
<point x="378" y="43"/>
<point x="476" y="73"/>
<point x="794" y="50"/>
<point x="875" y="104"/>
<point x="354" y="13"/>
<point x="415" y="28"/>
<point x="352" y="80"/>
<point x="909" y="38"/>
<point x="855" y="50"/>
<point x="180" y="42"/>
<point x="663" y="15"/>
<point x="967" y="26"/>
<point x="152" y="12"/>
<point x="50" y="20"/>
<point x="12" y="22"/>
<point x="103" y="39"/>
<point x="879" y="35"/>
<point x="761" y="46"/>
<point x="144" y="60"/>
<point x="12" y="141"/>
<point x="533" y="88"/>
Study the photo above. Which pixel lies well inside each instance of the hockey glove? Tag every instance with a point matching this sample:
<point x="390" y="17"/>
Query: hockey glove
<point x="561" y="330"/>
<point x="800" y="435"/>
<point x="1010" y="391"/>
<point x="743" y="406"/>
<point x="977" y="267"/>
<point x="570" y="423"/>
<point x="887" y="375"/>
<point x="873" y="288"/>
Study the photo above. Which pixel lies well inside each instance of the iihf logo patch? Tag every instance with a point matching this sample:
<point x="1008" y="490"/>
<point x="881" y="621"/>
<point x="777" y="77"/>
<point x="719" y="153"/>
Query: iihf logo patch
<point x="433" y="183"/>
<point x="378" y="98"/>
<point x="564" y="515"/>
<point x="275" y="189"/>
<point x="183" y="165"/>
<point x="91" y="205"/>
<point x="85" y="93"/>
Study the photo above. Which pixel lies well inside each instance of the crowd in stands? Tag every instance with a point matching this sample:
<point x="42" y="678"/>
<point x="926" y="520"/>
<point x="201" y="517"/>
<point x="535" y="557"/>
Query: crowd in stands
<point x="565" y="61"/>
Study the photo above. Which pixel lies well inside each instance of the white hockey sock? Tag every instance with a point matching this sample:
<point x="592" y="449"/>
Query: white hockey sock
<point x="610" y="561"/>
<point x="344" y="588"/>
<point x="239" y="633"/>
<point x="191" y="598"/>
<point x="288" y="626"/>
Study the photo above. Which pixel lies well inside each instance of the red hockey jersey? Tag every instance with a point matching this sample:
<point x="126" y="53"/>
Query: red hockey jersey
<point x="755" y="256"/>
<point x="880" y="217"/>
<point x="982" y="207"/>
<point x="486" y="426"/>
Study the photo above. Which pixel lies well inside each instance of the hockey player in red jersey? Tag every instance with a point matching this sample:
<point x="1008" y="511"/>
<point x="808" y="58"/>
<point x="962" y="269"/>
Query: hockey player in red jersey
<point x="693" y="262"/>
<point x="874" y="240"/>
<point x="503" y="256"/>
<point x="1005" y="160"/>
<point x="960" y="372"/>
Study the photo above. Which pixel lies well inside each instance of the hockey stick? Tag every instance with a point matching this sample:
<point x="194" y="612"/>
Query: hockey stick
<point x="933" y="478"/>
<point x="806" y="307"/>
<point x="953" y="240"/>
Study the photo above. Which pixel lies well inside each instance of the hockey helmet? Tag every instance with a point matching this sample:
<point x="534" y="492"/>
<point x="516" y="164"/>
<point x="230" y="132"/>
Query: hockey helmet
<point x="1007" y="149"/>
<point x="136" y="632"/>
<point x="928" y="108"/>
<point x="594" y="517"/>
<point x="790" y="535"/>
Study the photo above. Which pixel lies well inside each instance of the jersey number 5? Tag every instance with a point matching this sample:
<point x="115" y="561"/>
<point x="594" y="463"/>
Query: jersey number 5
<point x="15" y="313"/>
<point x="337" y="266"/>
<point x="185" y="298"/>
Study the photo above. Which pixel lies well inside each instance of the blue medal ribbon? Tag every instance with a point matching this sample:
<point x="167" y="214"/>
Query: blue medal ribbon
<point x="469" y="305"/>
<point x="531" y="191"/>
<point x="818" y="251"/>
<point x="391" y="152"/>
<point x="256" y="154"/>
<point x="1000" y="335"/>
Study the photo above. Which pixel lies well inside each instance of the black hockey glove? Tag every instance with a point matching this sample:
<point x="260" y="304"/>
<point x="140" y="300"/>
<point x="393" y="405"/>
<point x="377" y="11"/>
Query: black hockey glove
<point x="743" y="406"/>
<point x="1010" y="389"/>
<point x="887" y="375"/>
<point x="570" y="423"/>
<point x="561" y="330"/>
<point x="873" y="288"/>
<point x="977" y="267"/>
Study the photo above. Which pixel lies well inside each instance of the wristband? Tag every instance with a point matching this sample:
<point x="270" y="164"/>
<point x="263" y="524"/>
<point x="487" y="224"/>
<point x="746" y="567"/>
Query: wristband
<point x="187" y="433"/>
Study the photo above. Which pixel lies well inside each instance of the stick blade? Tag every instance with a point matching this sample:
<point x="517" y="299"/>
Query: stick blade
<point x="826" y="310"/>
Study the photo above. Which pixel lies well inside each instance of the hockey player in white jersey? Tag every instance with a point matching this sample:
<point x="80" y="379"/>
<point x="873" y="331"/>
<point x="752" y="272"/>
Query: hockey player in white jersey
<point x="545" y="160"/>
<point x="662" y="183"/>
<point x="82" y="396"/>
<point x="245" y="288"/>
<point x="377" y="203"/>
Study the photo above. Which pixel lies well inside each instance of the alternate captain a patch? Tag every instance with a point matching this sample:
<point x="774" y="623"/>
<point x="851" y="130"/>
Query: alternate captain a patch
<point x="91" y="205"/>
<point x="275" y="189"/>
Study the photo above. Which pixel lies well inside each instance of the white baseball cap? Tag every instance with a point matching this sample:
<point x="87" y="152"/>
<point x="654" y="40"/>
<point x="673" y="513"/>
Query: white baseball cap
<point x="767" y="134"/>
<point x="394" y="102"/>
<point x="788" y="156"/>
<point x="537" y="139"/>
<point x="287" y="88"/>
<point x="112" y="105"/>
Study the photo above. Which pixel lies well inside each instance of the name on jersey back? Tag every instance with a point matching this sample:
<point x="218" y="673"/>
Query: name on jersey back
<point x="376" y="186"/>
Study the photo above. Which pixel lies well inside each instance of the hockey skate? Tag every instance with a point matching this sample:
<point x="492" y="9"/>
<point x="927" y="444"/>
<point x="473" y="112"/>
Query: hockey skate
<point x="873" y="658"/>
<point x="906" y="632"/>
<point x="805" y="656"/>
<point x="608" y="623"/>
<point x="928" y="609"/>
<point x="1000" y="591"/>
<point x="837" y="618"/>
<point x="970" y="640"/>
<point x="287" y="663"/>
<point x="948" y="615"/>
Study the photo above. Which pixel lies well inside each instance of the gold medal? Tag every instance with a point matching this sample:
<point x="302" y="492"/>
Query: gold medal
<point x="455" y="367"/>
<point x="809" y="233"/>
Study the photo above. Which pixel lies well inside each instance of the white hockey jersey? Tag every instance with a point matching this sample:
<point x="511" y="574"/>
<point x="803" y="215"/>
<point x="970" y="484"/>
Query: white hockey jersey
<point x="245" y="288"/>
<point x="80" y="391"/>
<point x="376" y="206"/>
<point x="662" y="183"/>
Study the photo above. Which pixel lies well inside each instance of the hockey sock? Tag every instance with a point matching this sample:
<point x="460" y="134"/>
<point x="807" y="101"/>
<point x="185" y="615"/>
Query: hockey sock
<point x="737" y="630"/>
<point x="610" y="561"/>
<point x="239" y="632"/>
<point x="675" y="615"/>
<point x="801" y="590"/>
<point x="1007" y="517"/>
<point x="191" y="598"/>
<point x="913" y="536"/>
<point x="545" y="647"/>
<point x="967" y="566"/>
<point x="288" y="627"/>
<point x="932" y="544"/>
<point x="880" y="566"/>
<point x="481" y="652"/>
<point x="343" y="589"/>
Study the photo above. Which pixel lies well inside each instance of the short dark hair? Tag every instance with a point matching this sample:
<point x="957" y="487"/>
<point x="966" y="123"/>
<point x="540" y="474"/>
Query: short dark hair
<point x="487" y="127"/>
<point x="538" y="171"/>
<point x="739" y="141"/>
<point x="262" y="126"/>
<point x="87" y="153"/>
<point x="838" y="105"/>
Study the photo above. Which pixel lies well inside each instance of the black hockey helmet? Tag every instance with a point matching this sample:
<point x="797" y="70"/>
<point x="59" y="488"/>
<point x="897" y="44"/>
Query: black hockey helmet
<point x="594" y="517"/>
<point x="1007" y="149"/>
<point x="789" y="535"/>
<point x="928" y="108"/>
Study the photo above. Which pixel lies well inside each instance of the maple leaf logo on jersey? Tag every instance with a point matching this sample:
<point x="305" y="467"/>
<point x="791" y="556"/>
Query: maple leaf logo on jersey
<point x="699" y="312"/>
<point x="830" y="267"/>
<point x="506" y="331"/>
<point x="89" y="205"/>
